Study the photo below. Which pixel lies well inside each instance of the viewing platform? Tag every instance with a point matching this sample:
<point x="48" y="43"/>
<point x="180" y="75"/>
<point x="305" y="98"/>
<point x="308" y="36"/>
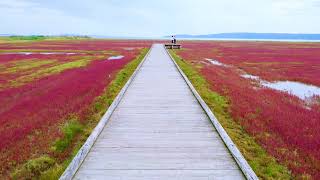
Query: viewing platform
<point x="173" y="46"/>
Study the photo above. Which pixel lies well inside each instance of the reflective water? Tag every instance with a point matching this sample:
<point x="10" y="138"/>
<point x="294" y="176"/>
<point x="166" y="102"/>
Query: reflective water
<point x="248" y="76"/>
<point x="215" y="62"/>
<point x="301" y="90"/>
<point x="115" y="57"/>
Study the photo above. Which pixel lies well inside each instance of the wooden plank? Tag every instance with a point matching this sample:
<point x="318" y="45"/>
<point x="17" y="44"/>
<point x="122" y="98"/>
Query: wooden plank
<point x="196" y="150"/>
<point x="157" y="136"/>
<point x="159" y="131"/>
<point x="160" y="158"/>
<point x="160" y="174"/>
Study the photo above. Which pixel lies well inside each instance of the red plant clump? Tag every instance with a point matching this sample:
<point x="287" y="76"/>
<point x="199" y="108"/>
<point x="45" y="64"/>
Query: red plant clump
<point x="282" y="123"/>
<point x="32" y="113"/>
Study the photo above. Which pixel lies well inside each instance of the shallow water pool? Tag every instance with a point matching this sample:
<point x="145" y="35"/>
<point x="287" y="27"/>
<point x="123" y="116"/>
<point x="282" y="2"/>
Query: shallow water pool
<point x="115" y="57"/>
<point x="303" y="91"/>
<point x="215" y="62"/>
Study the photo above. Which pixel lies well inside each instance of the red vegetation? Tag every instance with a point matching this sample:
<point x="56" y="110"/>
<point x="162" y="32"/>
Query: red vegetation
<point x="282" y="123"/>
<point x="32" y="113"/>
<point x="279" y="60"/>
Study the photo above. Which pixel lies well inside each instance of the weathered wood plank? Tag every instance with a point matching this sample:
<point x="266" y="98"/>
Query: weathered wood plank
<point x="160" y="174"/>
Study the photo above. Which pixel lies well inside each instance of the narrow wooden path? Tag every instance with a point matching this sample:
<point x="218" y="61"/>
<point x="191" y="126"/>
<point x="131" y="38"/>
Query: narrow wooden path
<point x="159" y="131"/>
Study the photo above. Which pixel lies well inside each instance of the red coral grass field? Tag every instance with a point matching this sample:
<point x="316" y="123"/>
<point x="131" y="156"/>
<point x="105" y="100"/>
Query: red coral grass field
<point x="42" y="83"/>
<point x="285" y="125"/>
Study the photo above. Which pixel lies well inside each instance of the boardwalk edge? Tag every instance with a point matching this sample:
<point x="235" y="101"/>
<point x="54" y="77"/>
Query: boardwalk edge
<point x="241" y="161"/>
<point x="76" y="162"/>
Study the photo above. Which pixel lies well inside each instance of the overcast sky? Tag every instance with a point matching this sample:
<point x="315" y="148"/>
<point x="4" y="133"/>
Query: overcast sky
<point x="157" y="18"/>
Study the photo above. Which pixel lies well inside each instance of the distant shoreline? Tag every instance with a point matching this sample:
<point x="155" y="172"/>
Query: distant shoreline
<point x="238" y="39"/>
<point x="207" y="39"/>
<point x="254" y="36"/>
<point x="168" y="38"/>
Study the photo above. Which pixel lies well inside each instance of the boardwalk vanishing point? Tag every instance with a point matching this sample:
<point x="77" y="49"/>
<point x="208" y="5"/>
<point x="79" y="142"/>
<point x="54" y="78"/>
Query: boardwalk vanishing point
<point x="158" y="130"/>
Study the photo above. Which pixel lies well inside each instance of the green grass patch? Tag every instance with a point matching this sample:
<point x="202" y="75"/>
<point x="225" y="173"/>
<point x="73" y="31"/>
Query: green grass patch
<point x="33" y="168"/>
<point x="55" y="69"/>
<point x="70" y="130"/>
<point x="33" y="38"/>
<point x="23" y="65"/>
<point x="264" y="165"/>
<point x="54" y="172"/>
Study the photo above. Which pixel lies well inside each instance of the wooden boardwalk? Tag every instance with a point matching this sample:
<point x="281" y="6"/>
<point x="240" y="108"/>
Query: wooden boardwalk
<point x="159" y="131"/>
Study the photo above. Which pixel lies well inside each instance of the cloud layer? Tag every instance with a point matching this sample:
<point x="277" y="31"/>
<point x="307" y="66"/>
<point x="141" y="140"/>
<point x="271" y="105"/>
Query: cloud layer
<point x="157" y="18"/>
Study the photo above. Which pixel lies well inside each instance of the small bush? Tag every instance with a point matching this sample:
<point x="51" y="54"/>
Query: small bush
<point x="70" y="130"/>
<point x="33" y="168"/>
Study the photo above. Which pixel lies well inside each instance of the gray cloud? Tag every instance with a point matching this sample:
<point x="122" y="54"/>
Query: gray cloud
<point x="156" y="18"/>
